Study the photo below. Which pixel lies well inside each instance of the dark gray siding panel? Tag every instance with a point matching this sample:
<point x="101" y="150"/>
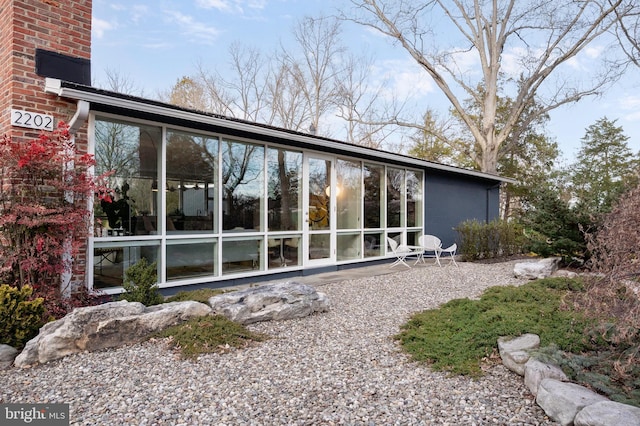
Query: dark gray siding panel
<point x="451" y="199"/>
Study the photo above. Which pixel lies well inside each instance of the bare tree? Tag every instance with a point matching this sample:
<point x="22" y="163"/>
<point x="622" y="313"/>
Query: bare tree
<point x="118" y="82"/>
<point x="359" y="104"/>
<point x="628" y="34"/>
<point x="316" y="68"/>
<point x="298" y="88"/>
<point x="288" y="105"/>
<point x="537" y="38"/>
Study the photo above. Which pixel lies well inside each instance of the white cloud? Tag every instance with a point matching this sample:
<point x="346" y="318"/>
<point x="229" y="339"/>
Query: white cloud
<point x="631" y="106"/>
<point x="100" y="26"/>
<point x="138" y="12"/>
<point x="405" y="78"/>
<point x="232" y="6"/>
<point x="465" y="61"/>
<point x="223" y="5"/>
<point x="630" y="102"/>
<point x="197" y="31"/>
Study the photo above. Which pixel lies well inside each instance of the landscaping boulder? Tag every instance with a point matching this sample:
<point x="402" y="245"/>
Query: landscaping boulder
<point x="278" y="301"/>
<point x="109" y="325"/>
<point x="608" y="413"/>
<point x="564" y="273"/>
<point x="515" y="352"/>
<point x="562" y="401"/>
<point x="536" y="371"/>
<point x="536" y="270"/>
<point x="7" y="355"/>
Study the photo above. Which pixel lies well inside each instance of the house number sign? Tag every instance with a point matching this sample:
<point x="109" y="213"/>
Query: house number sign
<point x="31" y="120"/>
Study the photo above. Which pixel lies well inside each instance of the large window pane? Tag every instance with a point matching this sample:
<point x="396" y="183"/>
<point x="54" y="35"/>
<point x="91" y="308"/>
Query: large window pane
<point x="373" y="244"/>
<point x="373" y="192"/>
<point x="112" y="259"/>
<point x="348" y="194"/>
<point x="319" y="246"/>
<point x="242" y="180"/>
<point x="130" y="152"/>
<point x="284" y="169"/>
<point x="414" y="198"/>
<point x="349" y="246"/>
<point x="395" y="198"/>
<point x="189" y="259"/>
<point x="191" y="183"/>
<point x="284" y="251"/>
<point x="240" y="255"/>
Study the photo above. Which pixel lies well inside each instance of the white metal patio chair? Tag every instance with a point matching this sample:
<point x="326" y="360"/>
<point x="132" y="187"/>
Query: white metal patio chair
<point x="451" y="251"/>
<point x="400" y="251"/>
<point x="431" y="247"/>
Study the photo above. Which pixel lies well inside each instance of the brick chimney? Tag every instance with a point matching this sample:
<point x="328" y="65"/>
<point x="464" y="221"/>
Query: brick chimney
<point x="39" y="39"/>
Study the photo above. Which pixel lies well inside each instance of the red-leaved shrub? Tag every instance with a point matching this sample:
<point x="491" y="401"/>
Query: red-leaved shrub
<point x="45" y="188"/>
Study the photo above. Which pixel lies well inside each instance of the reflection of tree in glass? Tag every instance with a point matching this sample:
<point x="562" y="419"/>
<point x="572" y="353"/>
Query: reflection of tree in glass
<point x="189" y="158"/>
<point x="372" y="195"/>
<point x="116" y="149"/>
<point x="395" y="186"/>
<point x="131" y="153"/>
<point x="284" y="169"/>
<point x="242" y="166"/>
<point x="414" y="197"/>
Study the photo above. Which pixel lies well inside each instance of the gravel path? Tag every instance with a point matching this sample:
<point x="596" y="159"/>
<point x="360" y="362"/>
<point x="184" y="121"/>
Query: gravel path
<point x="336" y="368"/>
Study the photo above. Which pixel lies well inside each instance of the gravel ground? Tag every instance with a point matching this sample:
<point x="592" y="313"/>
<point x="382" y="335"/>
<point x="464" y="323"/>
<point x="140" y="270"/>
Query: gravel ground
<point x="335" y="368"/>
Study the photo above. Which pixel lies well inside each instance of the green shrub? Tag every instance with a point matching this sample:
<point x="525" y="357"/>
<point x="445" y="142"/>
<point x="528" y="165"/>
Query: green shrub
<point x="21" y="317"/>
<point x="206" y="334"/>
<point x="498" y="238"/>
<point x="202" y="295"/>
<point x="554" y="226"/>
<point x="140" y="284"/>
<point x="458" y="335"/>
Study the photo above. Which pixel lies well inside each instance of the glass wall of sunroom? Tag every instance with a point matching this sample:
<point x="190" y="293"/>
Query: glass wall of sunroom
<point x="207" y="207"/>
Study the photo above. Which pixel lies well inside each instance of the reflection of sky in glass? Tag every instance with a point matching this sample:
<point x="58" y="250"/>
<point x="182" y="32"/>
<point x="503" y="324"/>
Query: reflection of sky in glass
<point x="318" y="176"/>
<point x="348" y="174"/>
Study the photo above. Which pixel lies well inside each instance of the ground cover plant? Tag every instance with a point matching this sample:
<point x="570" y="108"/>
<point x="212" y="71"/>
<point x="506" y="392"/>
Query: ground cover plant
<point x="211" y="333"/>
<point x="201" y="295"/>
<point x="461" y="336"/>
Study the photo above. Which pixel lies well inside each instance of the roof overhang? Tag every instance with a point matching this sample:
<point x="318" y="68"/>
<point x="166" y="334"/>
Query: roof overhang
<point x="115" y="100"/>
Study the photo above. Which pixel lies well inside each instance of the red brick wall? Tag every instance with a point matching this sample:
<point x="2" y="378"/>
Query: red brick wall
<point x="61" y="26"/>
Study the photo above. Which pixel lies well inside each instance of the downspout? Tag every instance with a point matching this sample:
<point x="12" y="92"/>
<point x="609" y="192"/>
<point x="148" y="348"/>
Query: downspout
<point x="77" y="121"/>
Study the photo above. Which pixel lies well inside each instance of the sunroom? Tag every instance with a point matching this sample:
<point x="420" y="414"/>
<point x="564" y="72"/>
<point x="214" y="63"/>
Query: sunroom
<point x="215" y="201"/>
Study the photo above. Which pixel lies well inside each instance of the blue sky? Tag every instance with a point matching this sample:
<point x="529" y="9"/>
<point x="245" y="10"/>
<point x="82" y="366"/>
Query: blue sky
<point x="154" y="43"/>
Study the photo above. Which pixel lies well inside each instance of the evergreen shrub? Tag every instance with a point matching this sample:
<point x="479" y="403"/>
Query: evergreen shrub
<point x="21" y="316"/>
<point x="140" y="284"/>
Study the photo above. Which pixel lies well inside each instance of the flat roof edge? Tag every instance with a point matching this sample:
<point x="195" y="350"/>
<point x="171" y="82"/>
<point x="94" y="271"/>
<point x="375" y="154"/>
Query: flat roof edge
<point x="86" y="93"/>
